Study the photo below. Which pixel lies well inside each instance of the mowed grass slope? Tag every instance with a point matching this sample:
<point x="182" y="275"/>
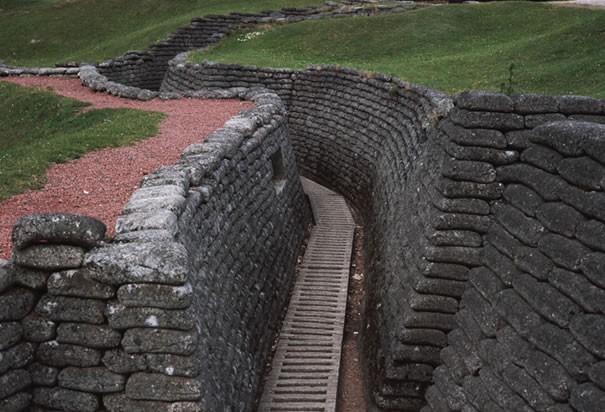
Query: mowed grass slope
<point x="554" y="50"/>
<point x="40" y="128"/>
<point x="42" y="32"/>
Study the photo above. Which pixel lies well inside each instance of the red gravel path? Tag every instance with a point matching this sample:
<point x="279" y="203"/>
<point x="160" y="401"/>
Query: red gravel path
<point x="101" y="182"/>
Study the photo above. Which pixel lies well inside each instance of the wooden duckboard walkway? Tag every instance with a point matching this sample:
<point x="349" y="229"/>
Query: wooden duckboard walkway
<point x="305" y="368"/>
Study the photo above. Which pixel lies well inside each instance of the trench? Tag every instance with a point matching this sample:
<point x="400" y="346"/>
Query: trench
<point x="449" y="303"/>
<point x="306" y="366"/>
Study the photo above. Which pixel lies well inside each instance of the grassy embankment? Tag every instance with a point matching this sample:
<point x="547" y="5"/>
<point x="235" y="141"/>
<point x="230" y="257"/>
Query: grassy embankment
<point x="553" y="50"/>
<point x="40" y="128"/>
<point x="42" y="32"/>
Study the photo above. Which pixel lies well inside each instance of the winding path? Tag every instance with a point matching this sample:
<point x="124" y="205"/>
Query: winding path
<point x="99" y="183"/>
<point x="306" y="365"/>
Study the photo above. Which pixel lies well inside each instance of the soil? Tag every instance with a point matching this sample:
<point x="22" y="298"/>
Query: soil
<point x="99" y="183"/>
<point x="350" y="388"/>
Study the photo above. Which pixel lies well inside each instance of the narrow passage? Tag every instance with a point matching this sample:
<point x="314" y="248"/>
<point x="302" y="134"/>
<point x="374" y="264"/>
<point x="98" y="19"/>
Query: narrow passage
<point x="305" y="368"/>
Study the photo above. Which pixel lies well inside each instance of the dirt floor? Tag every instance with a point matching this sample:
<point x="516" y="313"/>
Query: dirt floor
<point x="350" y="389"/>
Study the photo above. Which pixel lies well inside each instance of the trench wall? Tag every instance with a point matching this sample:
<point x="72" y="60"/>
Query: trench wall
<point x="145" y="69"/>
<point x="180" y="310"/>
<point x="484" y="234"/>
<point x="450" y="191"/>
<point x="530" y="333"/>
<point x="374" y="139"/>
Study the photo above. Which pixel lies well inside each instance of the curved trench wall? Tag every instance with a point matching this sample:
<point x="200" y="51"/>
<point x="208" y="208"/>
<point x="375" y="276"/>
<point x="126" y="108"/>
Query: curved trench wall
<point x="531" y="329"/>
<point x="475" y="192"/>
<point x="179" y="311"/>
<point x="145" y="69"/>
<point x="374" y="139"/>
<point x="484" y="251"/>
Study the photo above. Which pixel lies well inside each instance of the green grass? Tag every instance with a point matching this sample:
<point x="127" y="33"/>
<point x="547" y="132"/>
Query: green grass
<point x="42" y="32"/>
<point x="6" y="5"/>
<point x="555" y="50"/>
<point x="40" y="128"/>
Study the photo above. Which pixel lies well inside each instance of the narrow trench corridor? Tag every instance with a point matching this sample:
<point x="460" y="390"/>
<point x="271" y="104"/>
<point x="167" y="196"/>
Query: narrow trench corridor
<point x="305" y="369"/>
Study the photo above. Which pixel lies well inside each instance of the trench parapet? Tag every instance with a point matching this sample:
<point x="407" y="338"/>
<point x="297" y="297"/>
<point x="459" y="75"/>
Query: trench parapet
<point x="179" y="310"/>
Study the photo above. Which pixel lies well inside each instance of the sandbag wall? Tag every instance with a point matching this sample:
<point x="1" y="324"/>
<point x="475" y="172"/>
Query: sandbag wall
<point x="243" y="240"/>
<point x="179" y="310"/>
<point x="428" y="190"/>
<point x="531" y="330"/>
<point x="374" y="139"/>
<point x="145" y="69"/>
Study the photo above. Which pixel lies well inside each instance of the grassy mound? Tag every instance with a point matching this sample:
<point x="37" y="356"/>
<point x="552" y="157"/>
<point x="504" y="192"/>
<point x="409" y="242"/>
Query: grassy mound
<point x="515" y="47"/>
<point x="42" y="32"/>
<point x="40" y="128"/>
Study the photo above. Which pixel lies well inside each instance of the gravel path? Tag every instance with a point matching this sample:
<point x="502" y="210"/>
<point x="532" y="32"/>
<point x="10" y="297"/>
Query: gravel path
<point x="101" y="182"/>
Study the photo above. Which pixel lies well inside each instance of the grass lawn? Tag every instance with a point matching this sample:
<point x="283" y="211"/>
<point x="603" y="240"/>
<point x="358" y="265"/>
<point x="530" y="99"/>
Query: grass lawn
<point x="40" y="128"/>
<point x="42" y="32"/>
<point x="554" y="50"/>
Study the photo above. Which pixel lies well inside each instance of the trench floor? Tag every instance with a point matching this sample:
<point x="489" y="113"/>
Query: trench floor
<point x="306" y="364"/>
